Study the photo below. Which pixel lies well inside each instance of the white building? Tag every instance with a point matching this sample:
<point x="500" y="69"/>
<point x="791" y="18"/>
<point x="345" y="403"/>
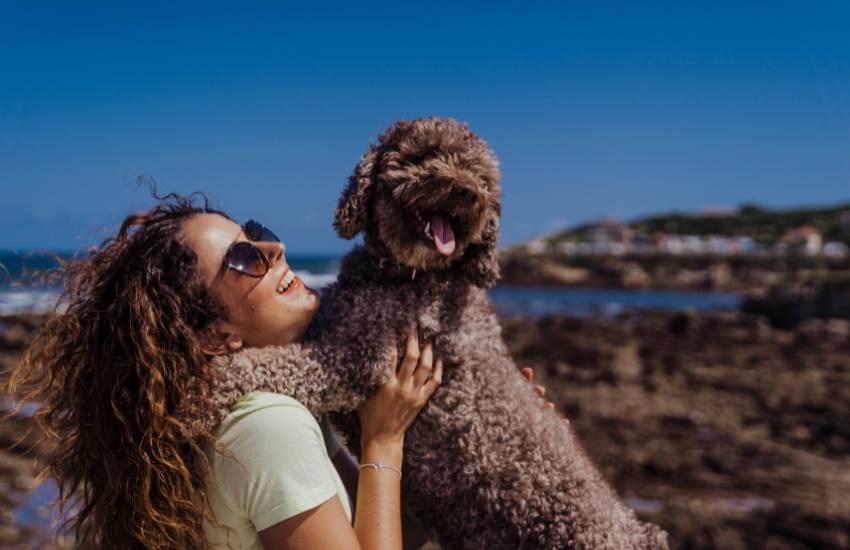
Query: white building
<point x="835" y="249"/>
<point x="805" y="238"/>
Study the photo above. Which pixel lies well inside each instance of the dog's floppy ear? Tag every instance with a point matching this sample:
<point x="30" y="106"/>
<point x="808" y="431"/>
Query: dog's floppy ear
<point x="351" y="210"/>
<point x="480" y="262"/>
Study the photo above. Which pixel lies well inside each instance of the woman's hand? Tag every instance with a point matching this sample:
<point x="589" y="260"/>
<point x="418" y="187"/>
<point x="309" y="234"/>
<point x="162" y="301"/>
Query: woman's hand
<point x="528" y="374"/>
<point x="383" y="420"/>
<point x="385" y="417"/>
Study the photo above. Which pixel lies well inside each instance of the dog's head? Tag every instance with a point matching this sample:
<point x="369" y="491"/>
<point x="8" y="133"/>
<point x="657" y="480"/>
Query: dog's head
<point x="427" y="196"/>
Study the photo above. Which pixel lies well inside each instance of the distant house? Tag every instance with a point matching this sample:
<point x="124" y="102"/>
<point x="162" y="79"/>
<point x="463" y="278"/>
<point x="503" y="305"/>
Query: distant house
<point x="643" y="245"/>
<point x="806" y="239"/>
<point x="745" y="245"/>
<point x="610" y="236"/>
<point x="537" y="246"/>
<point x="835" y="249"/>
<point x="696" y="244"/>
<point x="669" y="244"/>
<point x="568" y="247"/>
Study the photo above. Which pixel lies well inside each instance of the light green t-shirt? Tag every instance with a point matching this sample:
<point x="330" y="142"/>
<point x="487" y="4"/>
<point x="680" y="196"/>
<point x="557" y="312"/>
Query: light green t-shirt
<point x="282" y="467"/>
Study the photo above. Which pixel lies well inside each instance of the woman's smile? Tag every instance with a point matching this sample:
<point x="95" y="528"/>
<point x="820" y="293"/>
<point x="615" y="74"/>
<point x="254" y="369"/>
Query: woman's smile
<point x="286" y="280"/>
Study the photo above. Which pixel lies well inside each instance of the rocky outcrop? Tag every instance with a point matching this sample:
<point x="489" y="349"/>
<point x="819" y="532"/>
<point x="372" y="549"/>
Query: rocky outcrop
<point x="788" y="307"/>
<point x="727" y="431"/>
<point x="651" y="272"/>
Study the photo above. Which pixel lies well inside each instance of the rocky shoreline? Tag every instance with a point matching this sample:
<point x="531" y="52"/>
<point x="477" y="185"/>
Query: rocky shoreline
<point x="729" y="274"/>
<point x="728" y="432"/>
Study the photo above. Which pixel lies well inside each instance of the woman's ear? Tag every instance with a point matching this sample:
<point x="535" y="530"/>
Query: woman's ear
<point x="351" y="210"/>
<point x="216" y="341"/>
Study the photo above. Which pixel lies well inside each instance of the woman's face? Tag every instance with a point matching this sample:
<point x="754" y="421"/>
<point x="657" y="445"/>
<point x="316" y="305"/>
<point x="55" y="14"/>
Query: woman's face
<point x="258" y="315"/>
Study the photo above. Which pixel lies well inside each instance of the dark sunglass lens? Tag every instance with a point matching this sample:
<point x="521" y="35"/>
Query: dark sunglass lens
<point x="258" y="232"/>
<point x="245" y="258"/>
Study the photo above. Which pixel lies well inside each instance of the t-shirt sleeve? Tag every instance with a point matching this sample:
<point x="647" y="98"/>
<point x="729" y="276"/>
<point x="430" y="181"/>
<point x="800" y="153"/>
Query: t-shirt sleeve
<point x="279" y="465"/>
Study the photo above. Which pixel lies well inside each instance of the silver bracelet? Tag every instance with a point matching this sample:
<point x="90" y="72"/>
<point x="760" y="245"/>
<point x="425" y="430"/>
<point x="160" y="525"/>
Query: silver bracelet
<point x="381" y="466"/>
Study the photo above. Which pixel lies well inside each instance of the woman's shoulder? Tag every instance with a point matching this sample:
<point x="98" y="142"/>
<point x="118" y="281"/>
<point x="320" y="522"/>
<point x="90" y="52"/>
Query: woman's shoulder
<point x="274" y="462"/>
<point x="264" y="410"/>
<point x="260" y="399"/>
<point x="262" y="423"/>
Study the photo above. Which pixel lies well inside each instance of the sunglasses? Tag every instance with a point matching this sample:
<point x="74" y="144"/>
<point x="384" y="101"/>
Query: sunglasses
<point x="245" y="258"/>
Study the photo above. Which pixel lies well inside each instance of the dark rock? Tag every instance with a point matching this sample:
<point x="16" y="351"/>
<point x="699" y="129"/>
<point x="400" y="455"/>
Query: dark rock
<point x="736" y="429"/>
<point x="787" y="307"/>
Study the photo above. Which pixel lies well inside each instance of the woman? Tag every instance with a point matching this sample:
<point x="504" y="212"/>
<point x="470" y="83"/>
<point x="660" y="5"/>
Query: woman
<point x="265" y="305"/>
<point x="143" y="316"/>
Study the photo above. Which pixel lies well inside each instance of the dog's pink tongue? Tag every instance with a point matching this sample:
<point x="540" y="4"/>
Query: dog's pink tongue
<point x="444" y="237"/>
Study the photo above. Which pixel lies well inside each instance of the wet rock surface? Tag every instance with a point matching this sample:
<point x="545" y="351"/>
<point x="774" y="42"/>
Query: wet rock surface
<point x="728" y="432"/>
<point x="789" y="306"/>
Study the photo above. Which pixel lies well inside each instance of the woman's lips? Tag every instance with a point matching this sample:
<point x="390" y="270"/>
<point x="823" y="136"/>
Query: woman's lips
<point x="296" y="284"/>
<point x="286" y="282"/>
<point x="282" y="276"/>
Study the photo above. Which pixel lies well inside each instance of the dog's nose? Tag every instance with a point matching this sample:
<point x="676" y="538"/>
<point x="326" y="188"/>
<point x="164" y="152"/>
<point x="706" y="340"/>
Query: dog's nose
<point x="466" y="193"/>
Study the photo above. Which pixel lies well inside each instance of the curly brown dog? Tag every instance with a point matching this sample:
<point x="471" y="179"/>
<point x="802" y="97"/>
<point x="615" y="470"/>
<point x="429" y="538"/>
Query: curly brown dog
<point x="486" y="465"/>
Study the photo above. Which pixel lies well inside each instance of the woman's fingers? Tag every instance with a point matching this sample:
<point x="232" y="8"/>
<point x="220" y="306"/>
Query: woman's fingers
<point x="528" y="374"/>
<point x="393" y="366"/>
<point x="411" y="356"/>
<point x="541" y="391"/>
<point x="436" y="378"/>
<point x="423" y="370"/>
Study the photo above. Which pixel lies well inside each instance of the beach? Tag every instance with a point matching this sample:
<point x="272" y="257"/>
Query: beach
<point x="725" y="431"/>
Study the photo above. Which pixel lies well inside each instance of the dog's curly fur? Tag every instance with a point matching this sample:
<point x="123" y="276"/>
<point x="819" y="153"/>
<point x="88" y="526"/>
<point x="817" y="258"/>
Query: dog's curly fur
<point x="486" y="465"/>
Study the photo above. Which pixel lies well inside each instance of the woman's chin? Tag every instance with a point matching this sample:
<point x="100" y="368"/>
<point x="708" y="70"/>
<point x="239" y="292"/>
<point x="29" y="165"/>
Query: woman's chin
<point x="312" y="300"/>
<point x="311" y="297"/>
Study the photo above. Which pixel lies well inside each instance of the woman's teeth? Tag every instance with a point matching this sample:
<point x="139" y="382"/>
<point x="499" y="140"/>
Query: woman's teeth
<point x="286" y="282"/>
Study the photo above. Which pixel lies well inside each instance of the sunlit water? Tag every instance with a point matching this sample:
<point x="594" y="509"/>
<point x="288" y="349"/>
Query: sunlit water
<point x="319" y="271"/>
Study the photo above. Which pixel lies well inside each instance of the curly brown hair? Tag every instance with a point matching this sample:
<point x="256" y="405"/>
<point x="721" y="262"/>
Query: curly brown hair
<point x="116" y="373"/>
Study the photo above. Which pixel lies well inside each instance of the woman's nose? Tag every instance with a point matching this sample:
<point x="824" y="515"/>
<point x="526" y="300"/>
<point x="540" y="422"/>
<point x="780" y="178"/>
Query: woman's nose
<point x="273" y="251"/>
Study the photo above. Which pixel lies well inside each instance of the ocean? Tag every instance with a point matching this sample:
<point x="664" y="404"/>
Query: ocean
<point x="318" y="271"/>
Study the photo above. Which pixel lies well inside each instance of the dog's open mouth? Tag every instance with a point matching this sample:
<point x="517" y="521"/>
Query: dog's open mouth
<point x="436" y="228"/>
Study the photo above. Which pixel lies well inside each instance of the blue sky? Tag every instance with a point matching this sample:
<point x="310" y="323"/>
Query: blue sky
<point x="594" y="108"/>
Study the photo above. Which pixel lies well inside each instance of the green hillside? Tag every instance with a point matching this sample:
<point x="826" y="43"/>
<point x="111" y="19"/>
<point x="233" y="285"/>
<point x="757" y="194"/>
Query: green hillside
<point x="766" y="226"/>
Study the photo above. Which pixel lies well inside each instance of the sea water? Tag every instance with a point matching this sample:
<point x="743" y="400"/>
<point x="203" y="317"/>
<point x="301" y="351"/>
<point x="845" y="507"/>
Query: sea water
<point x="318" y="271"/>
